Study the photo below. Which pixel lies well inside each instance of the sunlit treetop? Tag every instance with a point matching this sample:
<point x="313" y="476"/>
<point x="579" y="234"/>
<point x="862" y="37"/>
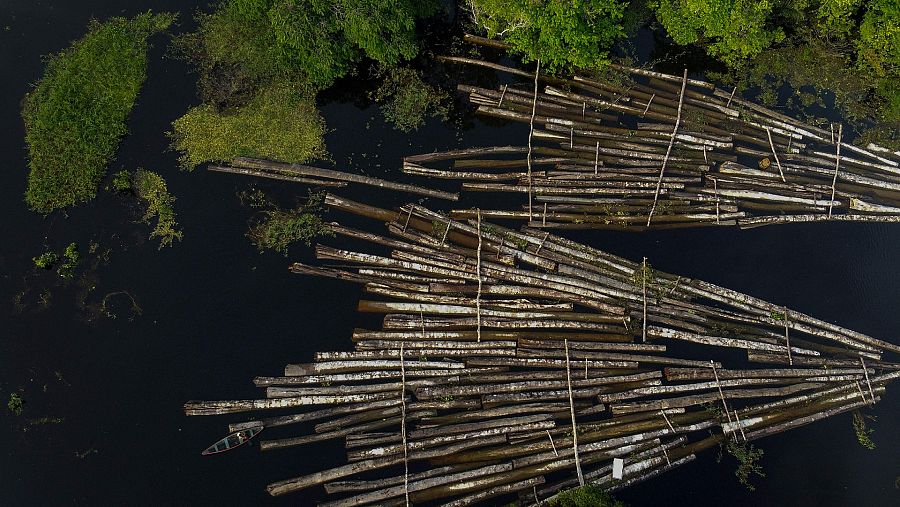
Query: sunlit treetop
<point x="562" y="33"/>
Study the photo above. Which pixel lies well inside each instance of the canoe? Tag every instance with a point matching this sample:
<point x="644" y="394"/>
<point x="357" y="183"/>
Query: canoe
<point x="232" y="441"/>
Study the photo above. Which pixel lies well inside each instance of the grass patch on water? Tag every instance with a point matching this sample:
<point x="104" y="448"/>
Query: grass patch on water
<point x="279" y="123"/>
<point x="151" y="188"/>
<point x="76" y="114"/>
<point x="278" y="229"/>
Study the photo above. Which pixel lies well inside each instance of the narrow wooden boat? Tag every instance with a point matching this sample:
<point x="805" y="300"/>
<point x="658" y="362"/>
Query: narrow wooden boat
<point x="232" y="441"/>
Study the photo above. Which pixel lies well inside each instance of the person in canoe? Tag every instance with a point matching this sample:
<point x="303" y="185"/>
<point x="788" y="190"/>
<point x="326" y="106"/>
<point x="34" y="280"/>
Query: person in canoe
<point x="233" y="441"/>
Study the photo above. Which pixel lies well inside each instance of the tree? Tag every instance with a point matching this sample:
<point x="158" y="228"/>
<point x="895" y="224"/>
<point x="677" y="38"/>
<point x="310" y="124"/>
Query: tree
<point x="313" y="41"/>
<point x="731" y="30"/>
<point x="562" y="33"/>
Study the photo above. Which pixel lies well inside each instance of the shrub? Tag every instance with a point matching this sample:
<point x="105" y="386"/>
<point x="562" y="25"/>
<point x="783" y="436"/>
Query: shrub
<point x="15" y="404"/>
<point x="75" y="115"/>
<point x="46" y="260"/>
<point x="585" y="496"/>
<point x="121" y="181"/>
<point x="150" y="187"/>
<point x="407" y="100"/>
<point x="71" y="259"/>
<point x="278" y="229"/>
<point x="862" y="431"/>
<point x="747" y="456"/>
<point x="280" y="123"/>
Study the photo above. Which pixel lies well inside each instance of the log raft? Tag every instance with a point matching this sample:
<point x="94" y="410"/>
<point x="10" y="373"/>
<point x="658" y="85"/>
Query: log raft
<point x="515" y="363"/>
<point x="649" y="150"/>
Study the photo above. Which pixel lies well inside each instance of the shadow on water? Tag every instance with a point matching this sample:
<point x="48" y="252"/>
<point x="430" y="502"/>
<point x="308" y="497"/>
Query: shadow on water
<point x="102" y="421"/>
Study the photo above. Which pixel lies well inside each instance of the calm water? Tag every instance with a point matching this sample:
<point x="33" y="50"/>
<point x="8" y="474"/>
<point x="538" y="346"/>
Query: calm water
<point x="216" y="313"/>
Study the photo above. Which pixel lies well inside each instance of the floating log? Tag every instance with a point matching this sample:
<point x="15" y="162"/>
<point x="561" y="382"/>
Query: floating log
<point x="302" y="173"/>
<point x="488" y="378"/>
<point x="595" y="135"/>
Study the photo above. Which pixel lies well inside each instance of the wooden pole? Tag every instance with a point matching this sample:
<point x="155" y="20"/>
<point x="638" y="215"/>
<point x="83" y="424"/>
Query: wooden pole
<point x="644" y="290"/>
<point x="500" y="102"/>
<point x="478" y="268"/>
<point x="837" y="165"/>
<point x="403" y="426"/>
<point x="648" y="104"/>
<point x="719" y="387"/>
<point x="775" y="154"/>
<point x="552" y="444"/>
<point x="531" y="135"/>
<point x="731" y="97"/>
<point x="572" y="412"/>
<point x="716" y="190"/>
<point x="668" y="150"/>
<point x="787" y="337"/>
<point x="866" y="371"/>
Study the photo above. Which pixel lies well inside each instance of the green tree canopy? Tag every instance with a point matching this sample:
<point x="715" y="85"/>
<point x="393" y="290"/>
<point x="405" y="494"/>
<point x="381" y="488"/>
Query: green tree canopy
<point x="731" y="30"/>
<point x="562" y="33"/>
<point x="314" y="41"/>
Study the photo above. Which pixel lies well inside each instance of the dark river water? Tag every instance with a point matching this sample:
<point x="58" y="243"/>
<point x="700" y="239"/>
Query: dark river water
<point x="103" y="424"/>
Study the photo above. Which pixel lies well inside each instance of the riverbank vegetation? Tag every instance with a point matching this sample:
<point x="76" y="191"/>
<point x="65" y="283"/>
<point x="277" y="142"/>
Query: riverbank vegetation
<point x="260" y="63"/>
<point x="76" y="114"/>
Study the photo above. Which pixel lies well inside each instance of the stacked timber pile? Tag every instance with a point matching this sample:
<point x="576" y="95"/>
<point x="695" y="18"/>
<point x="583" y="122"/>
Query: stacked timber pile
<point x="655" y="150"/>
<point x="521" y="363"/>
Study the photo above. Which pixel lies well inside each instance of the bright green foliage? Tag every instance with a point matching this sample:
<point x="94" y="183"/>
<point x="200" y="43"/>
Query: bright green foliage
<point x="731" y="30"/>
<point x="121" y="181"/>
<point x="562" y="33"/>
<point x="315" y="41"/>
<point x="280" y="123"/>
<point x="279" y="229"/>
<point x="407" y="100"/>
<point x="878" y="47"/>
<point x="585" y="496"/>
<point x="15" y="404"/>
<point x="747" y="456"/>
<point x="862" y="431"/>
<point x="76" y="113"/>
<point x="878" y="54"/>
<point x="71" y="259"/>
<point x="46" y="260"/>
<point x="150" y="187"/>
<point x="835" y="17"/>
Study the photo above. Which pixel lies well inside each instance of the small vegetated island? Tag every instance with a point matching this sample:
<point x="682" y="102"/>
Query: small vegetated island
<point x="76" y="114"/>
